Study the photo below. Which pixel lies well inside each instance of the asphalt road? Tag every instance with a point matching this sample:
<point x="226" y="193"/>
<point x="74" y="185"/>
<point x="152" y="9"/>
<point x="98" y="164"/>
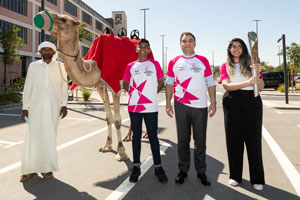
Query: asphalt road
<point x="85" y="173"/>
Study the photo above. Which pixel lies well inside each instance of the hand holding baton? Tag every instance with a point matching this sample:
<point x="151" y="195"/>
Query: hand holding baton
<point x="253" y="43"/>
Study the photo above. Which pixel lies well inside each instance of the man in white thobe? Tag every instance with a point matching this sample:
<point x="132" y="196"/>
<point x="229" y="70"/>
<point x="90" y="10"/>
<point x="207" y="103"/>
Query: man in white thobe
<point x="45" y="99"/>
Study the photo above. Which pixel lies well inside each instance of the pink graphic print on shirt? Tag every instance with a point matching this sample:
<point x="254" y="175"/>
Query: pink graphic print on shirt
<point x="142" y="99"/>
<point x="187" y="97"/>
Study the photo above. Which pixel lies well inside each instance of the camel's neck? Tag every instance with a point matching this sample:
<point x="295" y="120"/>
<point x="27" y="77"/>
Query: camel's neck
<point x="78" y="69"/>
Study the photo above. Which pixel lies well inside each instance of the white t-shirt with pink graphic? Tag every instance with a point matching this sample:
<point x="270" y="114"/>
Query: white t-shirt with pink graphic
<point x="237" y="76"/>
<point x="142" y="77"/>
<point x="191" y="77"/>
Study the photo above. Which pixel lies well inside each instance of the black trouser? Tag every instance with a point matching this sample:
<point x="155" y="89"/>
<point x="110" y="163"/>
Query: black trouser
<point x="151" y="121"/>
<point x="243" y="125"/>
<point x="187" y="118"/>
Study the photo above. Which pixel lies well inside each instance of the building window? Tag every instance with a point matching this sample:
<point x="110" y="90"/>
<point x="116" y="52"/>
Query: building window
<point x="5" y="26"/>
<point x="53" y="2"/>
<point x="99" y="26"/>
<point x="84" y="51"/>
<point x="70" y="8"/>
<point x="48" y="38"/>
<point x="86" y="18"/>
<point x="18" y="6"/>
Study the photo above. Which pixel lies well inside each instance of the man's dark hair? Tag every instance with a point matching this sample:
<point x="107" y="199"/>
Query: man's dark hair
<point x="143" y="40"/>
<point x="187" y="33"/>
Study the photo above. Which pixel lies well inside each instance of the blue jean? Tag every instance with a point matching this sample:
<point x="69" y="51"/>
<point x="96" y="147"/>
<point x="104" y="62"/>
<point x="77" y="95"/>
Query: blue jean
<point x="151" y="121"/>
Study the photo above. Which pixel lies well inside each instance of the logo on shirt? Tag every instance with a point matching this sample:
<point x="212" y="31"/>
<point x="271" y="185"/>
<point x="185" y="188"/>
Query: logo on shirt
<point x="195" y="68"/>
<point x="148" y="72"/>
<point x="136" y="72"/>
<point x="180" y="67"/>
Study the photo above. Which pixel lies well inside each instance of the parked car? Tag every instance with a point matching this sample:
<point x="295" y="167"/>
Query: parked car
<point x="273" y="79"/>
<point x="297" y="79"/>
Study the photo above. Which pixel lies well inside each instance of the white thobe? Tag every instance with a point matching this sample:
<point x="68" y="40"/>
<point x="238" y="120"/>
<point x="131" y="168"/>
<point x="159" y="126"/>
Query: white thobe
<point x="45" y="92"/>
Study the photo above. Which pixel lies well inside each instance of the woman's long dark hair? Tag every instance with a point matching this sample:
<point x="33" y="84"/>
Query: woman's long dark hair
<point x="245" y="59"/>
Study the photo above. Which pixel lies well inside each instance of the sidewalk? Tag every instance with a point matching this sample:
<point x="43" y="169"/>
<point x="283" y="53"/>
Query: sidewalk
<point x="95" y="98"/>
<point x="280" y="104"/>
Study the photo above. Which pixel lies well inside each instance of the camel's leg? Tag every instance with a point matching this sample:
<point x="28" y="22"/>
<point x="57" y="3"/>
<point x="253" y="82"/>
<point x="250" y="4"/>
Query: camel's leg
<point x="146" y="134"/>
<point x="117" y="121"/>
<point x="127" y="138"/>
<point x="101" y="88"/>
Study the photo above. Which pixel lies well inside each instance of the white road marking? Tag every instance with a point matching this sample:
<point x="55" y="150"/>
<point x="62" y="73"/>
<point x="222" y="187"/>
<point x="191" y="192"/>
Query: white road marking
<point x="126" y="186"/>
<point x="60" y="147"/>
<point x="12" y="115"/>
<point x="283" y="160"/>
<point x="10" y="144"/>
<point x="80" y="119"/>
<point x="291" y="112"/>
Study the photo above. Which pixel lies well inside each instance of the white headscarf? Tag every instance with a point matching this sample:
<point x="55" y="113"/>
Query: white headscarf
<point x="50" y="45"/>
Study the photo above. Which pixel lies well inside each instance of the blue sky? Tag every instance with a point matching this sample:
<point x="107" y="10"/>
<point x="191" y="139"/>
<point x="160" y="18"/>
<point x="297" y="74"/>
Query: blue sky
<point x="213" y="22"/>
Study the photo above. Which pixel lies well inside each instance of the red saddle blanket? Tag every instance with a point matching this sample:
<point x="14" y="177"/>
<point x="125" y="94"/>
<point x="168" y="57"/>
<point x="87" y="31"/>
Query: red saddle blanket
<point x="112" y="55"/>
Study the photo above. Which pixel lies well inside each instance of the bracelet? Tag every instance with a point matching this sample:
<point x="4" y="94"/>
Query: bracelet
<point x="213" y="101"/>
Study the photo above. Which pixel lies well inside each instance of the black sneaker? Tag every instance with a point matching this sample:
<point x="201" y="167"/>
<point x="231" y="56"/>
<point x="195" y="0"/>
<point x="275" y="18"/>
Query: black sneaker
<point x="161" y="175"/>
<point x="136" y="172"/>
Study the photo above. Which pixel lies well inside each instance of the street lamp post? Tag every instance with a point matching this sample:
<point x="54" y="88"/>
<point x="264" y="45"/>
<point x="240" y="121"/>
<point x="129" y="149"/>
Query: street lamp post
<point x="144" y="9"/>
<point x="213" y="61"/>
<point x="166" y="58"/>
<point x="279" y="54"/>
<point x="256" y="21"/>
<point x="163" y="60"/>
<point x="286" y="81"/>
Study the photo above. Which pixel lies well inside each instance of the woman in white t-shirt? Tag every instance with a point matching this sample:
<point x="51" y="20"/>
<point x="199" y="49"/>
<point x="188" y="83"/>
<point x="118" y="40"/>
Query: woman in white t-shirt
<point x="242" y="114"/>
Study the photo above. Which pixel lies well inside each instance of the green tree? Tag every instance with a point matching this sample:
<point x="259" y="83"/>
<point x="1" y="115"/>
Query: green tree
<point x="84" y="34"/>
<point x="266" y="67"/>
<point x="10" y="45"/>
<point x="293" y="56"/>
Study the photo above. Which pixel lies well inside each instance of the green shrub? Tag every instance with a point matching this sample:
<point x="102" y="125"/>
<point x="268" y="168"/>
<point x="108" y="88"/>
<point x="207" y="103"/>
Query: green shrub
<point x="9" y="95"/>
<point x="281" y="88"/>
<point x="19" y="84"/>
<point x="86" y="93"/>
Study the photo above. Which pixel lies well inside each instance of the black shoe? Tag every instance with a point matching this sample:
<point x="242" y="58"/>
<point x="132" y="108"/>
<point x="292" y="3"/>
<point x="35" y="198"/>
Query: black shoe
<point x="180" y="177"/>
<point x="136" y="172"/>
<point x="204" y="179"/>
<point x="161" y="175"/>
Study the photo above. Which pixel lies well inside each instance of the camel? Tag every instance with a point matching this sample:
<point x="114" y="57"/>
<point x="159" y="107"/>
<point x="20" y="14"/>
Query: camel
<point x="85" y="73"/>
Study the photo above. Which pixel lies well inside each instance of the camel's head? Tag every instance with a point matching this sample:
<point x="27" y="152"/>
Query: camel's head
<point x="63" y="25"/>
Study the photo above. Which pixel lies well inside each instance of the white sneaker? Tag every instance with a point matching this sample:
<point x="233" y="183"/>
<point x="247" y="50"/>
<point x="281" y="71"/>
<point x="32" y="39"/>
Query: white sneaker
<point x="258" y="186"/>
<point x="233" y="182"/>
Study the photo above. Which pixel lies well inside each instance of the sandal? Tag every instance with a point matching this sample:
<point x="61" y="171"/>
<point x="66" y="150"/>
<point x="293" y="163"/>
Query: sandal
<point x="26" y="177"/>
<point x="48" y="175"/>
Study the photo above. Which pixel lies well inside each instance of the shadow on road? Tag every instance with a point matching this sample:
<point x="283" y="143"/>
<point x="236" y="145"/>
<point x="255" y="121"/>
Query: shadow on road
<point x="149" y="188"/>
<point x="54" y="189"/>
<point x="113" y="183"/>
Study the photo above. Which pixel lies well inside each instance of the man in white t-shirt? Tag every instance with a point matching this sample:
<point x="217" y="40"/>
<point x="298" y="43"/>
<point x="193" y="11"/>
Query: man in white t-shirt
<point x="189" y="77"/>
<point x="143" y="79"/>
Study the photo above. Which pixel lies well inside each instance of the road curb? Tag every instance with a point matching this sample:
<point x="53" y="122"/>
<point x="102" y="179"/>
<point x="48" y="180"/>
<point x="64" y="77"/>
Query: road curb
<point x="270" y="104"/>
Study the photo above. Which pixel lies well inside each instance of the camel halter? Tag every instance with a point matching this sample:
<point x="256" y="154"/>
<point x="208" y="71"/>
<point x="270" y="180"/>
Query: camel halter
<point x="75" y="57"/>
